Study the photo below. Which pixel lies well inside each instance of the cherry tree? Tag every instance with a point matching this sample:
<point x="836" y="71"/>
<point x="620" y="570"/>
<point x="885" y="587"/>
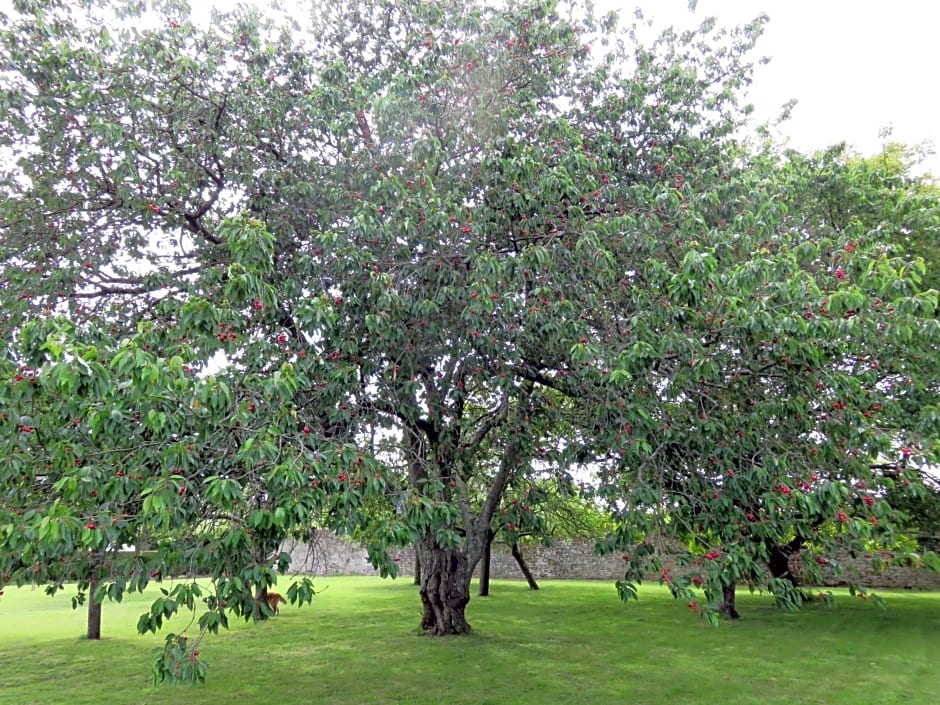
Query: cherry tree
<point x="374" y="270"/>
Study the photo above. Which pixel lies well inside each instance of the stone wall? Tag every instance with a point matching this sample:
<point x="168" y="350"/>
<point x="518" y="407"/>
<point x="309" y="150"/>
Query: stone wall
<point x="327" y="554"/>
<point x="860" y="571"/>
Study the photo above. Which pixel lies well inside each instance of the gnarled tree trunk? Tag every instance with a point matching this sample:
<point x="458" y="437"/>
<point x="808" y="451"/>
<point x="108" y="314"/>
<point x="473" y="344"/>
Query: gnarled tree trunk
<point x="446" y="571"/>
<point x="445" y="588"/>
<point x="779" y="562"/>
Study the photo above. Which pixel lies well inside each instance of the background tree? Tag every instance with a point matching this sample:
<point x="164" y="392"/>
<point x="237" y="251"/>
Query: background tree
<point x="804" y="342"/>
<point x="543" y="511"/>
<point x="921" y="511"/>
<point x="133" y="448"/>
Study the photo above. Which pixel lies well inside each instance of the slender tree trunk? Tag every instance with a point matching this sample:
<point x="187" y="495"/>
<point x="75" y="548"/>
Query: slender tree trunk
<point x="93" y="630"/>
<point x="445" y="588"/>
<point x="261" y="597"/>
<point x="517" y="554"/>
<point x="727" y="608"/>
<point x="417" y="575"/>
<point x="485" y="565"/>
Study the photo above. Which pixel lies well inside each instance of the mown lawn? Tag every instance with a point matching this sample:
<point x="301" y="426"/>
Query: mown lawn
<point x="571" y="642"/>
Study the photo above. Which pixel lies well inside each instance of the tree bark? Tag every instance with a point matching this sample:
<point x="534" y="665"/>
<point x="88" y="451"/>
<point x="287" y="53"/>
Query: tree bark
<point x="727" y="608"/>
<point x="779" y="563"/>
<point x="261" y="597"/>
<point x="417" y="574"/>
<point x="445" y="588"/>
<point x="517" y="554"/>
<point x="485" y="566"/>
<point x="93" y="630"/>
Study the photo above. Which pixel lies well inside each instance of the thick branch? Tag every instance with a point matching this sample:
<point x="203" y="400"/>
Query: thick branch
<point x="507" y="465"/>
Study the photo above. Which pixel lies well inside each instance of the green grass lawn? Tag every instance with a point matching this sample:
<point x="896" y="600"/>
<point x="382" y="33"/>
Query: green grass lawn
<point x="571" y="642"/>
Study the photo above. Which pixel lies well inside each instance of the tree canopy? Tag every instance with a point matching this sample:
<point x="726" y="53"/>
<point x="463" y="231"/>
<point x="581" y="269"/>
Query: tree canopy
<point x="805" y="392"/>
<point x="373" y="270"/>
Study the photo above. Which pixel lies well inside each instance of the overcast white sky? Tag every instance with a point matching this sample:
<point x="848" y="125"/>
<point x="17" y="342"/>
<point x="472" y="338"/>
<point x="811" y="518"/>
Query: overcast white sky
<point x="854" y="66"/>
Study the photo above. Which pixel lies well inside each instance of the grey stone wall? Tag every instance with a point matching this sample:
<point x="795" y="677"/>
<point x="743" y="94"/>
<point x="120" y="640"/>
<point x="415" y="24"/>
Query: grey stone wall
<point x="327" y="554"/>
<point x="860" y="570"/>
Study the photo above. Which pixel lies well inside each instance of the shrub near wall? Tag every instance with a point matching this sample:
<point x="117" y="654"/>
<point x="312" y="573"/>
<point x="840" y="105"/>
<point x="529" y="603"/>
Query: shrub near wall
<point x="328" y="554"/>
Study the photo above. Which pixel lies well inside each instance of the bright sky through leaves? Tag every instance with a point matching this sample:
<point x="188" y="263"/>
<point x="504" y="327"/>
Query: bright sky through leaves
<point x="854" y="68"/>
